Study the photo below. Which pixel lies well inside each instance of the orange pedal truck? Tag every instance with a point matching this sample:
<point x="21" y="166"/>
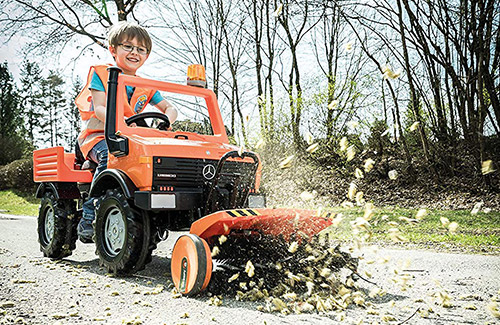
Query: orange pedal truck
<point x="155" y="181"/>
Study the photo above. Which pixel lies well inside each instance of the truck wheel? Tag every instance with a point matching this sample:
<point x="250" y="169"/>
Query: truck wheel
<point x="121" y="234"/>
<point x="56" y="227"/>
<point x="191" y="264"/>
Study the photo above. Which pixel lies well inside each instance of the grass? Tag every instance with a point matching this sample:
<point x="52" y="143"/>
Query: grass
<point x="13" y="202"/>
<point x="476" y="233"/>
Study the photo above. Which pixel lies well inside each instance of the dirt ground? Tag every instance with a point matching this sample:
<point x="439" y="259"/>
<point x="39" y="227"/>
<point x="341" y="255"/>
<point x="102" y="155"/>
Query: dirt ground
<point x="36" y="290"/>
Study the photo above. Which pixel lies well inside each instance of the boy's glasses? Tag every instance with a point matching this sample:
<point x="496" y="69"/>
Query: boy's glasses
<point x="129" y="48"/>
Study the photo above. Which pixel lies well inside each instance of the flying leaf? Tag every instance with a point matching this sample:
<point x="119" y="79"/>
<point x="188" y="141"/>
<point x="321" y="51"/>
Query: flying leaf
<point x="352" y="191"/>
<point x="492" y="307"/>
<point x="358" y="173"/>
<point x="259" y="144"/>
<point x="359" y="198"/>
<point x="477" y="208"/>
<point x="293" y="247"/>
<point x="352" y="124"/>
<point x="388" y="73"/>
<point x="452" y="227"/>
<point x="287" y="162"/>
<point x="421" y="214"/>
<point x="369" y="164"/>
<point x="444" y="221"/>
<point x="337" y="220"/>
<point x="369" y="207"/>
<point x="333" y="104"/>
<point x="222" y="239"/>
<point x="309" y="138"/>
<point x="278" y="10"/>
<point x="414" y="126"/>
<point x="250" y="269"/>
<point x="234" y="277"/>
<point x="215" y="251"/>
<point x="313" y="148"/>
<point x="348" y="47"/>
<point x="487" y="167"/>
<point x="393" y="174"/>
<point x="343" y="144"/>
<point x="347" y="204"/>
<point x="307" y="196"/>
<point x="351" y="152"/>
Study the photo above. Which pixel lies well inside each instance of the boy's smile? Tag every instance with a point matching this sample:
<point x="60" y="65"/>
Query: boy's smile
<point x="129" y="62"/>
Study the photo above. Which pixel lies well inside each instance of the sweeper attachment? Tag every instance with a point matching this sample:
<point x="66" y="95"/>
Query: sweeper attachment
<point x="250" y="241"/>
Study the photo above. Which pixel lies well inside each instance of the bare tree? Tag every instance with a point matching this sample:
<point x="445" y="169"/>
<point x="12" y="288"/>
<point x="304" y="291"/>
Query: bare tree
<point x="56" y="22"/>
<point x="296" y="18"/>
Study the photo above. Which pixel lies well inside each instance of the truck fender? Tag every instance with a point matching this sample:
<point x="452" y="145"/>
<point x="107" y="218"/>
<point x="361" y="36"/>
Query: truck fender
<point x="61" y="190"/>
<point x="112" y="178"/>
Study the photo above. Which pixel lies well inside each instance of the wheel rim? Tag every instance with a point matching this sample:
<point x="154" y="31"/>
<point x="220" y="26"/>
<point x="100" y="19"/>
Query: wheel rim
<point x="49" y="224"/>
<point x="114" y="232"/>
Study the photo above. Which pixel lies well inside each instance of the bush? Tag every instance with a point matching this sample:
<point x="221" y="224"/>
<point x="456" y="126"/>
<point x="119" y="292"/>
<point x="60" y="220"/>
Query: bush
<point x="18" y="175"/>
<point x="13" y="148"/>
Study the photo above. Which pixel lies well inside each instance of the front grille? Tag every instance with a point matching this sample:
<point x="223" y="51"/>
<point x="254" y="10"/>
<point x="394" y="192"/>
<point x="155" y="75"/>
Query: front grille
<point x="188" y="173"/>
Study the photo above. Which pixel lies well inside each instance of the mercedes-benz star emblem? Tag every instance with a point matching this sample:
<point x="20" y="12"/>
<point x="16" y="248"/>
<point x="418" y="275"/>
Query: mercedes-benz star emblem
<point x="209" y="171"/>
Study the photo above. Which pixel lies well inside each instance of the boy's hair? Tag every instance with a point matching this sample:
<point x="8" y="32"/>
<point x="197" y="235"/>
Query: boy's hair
<point x="124" y="30"/>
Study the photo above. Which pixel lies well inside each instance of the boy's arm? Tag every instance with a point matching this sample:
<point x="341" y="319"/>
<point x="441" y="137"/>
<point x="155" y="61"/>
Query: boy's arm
<point x="168" y="109"/>
<point x="99" y="101"/>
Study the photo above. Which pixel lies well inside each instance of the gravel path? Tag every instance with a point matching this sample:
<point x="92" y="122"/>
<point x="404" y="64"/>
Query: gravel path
<point x="36" y="290"/>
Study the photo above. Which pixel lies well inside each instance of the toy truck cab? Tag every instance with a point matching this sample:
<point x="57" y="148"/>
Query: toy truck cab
<point x="156" y="180"/>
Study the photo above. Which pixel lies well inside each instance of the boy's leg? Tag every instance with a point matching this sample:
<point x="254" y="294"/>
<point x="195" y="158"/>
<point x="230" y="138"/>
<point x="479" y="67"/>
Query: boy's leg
<point x="98" y="154"/>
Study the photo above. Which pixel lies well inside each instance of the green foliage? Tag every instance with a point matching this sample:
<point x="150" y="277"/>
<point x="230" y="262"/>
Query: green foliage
<point x="31" y="97"/>
<point x="14" y="147"/>
<point x="10" y="118"/>
<point x="54" y="107"/>
<point x="378" y="139"/>
<point x="18" y="175"/>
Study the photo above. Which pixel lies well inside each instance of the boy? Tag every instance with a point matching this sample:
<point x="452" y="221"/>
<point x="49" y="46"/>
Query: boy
<point x="130" y="45"/>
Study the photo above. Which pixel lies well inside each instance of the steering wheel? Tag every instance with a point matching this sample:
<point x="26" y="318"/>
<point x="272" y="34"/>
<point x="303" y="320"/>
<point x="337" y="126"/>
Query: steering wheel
<point x="139" y="119"/>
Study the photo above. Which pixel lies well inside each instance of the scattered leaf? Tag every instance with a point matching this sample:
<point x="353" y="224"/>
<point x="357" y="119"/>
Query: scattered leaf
<point x="487" y="167"/>
<point x="293" y="247"/>
<point x="250" y="269"/>
<point x="452" y="227"/>
<point x="343" y="144"/>
<point x="313" y="148"/>
<point x="421" y="214"/>
<point x="351" y="152"/>
<point x="333" y="104"/>
<point x="287" y="162"/>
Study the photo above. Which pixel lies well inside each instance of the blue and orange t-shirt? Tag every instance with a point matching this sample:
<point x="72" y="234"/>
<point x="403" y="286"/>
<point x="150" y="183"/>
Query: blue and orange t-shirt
<point x="96" y="84"/>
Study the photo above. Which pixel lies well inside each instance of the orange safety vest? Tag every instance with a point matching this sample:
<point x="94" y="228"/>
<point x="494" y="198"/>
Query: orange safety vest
<point x="93" y="129"/>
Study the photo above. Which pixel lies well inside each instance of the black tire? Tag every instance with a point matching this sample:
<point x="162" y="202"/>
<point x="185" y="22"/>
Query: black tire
<point x="57" y="226"/>
<point x="122" y="235"/>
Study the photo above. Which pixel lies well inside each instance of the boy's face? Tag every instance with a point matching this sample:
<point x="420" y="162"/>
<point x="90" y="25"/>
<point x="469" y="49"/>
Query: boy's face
<point x="129" y="62"/>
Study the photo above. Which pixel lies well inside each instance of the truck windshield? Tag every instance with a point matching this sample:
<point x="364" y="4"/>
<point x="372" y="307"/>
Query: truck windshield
<point x="193" y="113"/>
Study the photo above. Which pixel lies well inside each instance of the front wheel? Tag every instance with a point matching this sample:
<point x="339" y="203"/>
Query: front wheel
<point x="191" y="264"/>
<point x="56" y="226"/>
<point x="122" y="235"/>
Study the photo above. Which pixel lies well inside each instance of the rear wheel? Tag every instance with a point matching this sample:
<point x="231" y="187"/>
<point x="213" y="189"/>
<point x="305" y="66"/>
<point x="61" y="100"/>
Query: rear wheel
<point x="122" y="235"/>
<point x="56" y="227"/>
<point x="191" y="264"/>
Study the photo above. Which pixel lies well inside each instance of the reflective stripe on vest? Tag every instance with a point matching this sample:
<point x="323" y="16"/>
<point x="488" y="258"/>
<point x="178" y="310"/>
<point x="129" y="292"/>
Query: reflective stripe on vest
<point x="93" y="128"/>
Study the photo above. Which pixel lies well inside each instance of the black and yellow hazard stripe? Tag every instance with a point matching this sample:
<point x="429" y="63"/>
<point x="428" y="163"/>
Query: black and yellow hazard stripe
<point x="242" y="213"/>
